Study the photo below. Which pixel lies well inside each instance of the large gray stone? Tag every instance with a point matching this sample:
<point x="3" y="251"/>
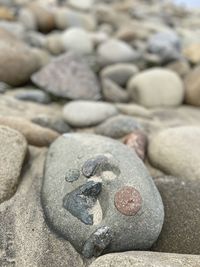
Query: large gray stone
<point x="12" y="154"/>
<point x="99" y="196"/>
<point x="68" y="76"/>
<point x="144" y="259"/>
<point x="156" y="87"/>
<point x="176" y="151"/>
<point x="87" y="113"/>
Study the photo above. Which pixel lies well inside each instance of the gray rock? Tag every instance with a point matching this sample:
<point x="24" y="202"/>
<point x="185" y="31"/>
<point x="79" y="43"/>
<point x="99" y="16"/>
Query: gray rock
<point x="116" y="51"/>
<point x="119" y="73"/>
<point x="144" y="259"/>
<point x="182" y="214"/>
<point x="82" y="5"/>
<point x="176" y="151"/>
<point x="12" y="154"/>
<point x="68" y="76"/>
<point x="3" y="87"/>
<point x="165" y="44"/>
<point x="54" y="43"/>
<point x="15" y="28"/>
<point x="113" y="92"/>
<point x="134" y="110"/>
<point x="32" y="95"/>
<point x="105" y="197"/>
<point x="26" y="239"/>
<point x="87" y="113"/>
<point x="117" y="127"/>
<point x="156" y="87"/>
<point x="27" y="18"/>
<point x="77" y="40"/>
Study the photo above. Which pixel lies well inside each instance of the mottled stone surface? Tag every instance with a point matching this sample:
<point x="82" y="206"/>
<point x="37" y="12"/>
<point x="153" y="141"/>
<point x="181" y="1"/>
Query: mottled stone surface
<point x="68" y="76"/>
<point x="106" y="166"/>
<point x="144" y="259"/>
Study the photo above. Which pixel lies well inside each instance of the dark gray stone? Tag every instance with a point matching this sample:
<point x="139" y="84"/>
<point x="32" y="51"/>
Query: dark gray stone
<point x="33" y="95"/>
<point x="81" y="200"/>
<point x="72" y="175"/>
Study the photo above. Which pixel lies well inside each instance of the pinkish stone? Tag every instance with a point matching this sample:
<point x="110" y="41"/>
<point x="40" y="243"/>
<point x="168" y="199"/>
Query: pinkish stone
<point x="128" y="201"/>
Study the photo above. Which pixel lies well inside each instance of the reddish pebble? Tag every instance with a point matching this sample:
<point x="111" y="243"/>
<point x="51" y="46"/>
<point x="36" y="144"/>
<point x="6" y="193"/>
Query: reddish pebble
<point x="138" y="141"/>
<point x="128" y="201"/>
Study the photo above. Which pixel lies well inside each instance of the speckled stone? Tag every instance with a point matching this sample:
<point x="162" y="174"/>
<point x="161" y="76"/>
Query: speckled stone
<point x="128" y="201"/>
<point x="84" y="211"/>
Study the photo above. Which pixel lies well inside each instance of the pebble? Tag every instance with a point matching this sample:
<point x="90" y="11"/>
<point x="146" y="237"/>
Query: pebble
<point x="179" y="155"/>
<point x="117" y="126"/>
<point x="35" y="135"/>
<point x="143" y="259"/>
<point x="119" y="73"/>
<point x="115" y="51"/>
<point x="83" y="212"/>
<point x="82" y="5"/>
<point x="18" y="62"/>
<point x="192" y="87"/>
<point x="72" y="71"/>
<point x="66" y="18"/>
<point x="33" y="95"/>
<point x="12" y="155"/>
<point x="192" y="53"/>
<point x="87" y="113"/>
<point x="112" y="92"/>
<point x="181" y="67"/>
<point x="137" y="140"/>
<point x="156" y="87"/>
<point x="165" y="44"/>
<point x="77" y="40"/>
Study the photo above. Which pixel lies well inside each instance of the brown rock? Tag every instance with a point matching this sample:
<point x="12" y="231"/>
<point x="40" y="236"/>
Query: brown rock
<point x="137" y="141"/>
<point x="192" y="87"/>
<point x="192" y="53"/>
<point x="6" y="14"/>
<point x="35" y="134"/>
<point x="17" y="62"/>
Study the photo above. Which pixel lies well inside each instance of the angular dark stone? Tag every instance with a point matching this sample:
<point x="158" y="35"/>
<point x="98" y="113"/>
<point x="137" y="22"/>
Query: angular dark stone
<point x="81" y="200"/>
<point x="97" y="242"/>
<point x="72" y="175"/>
<point x="90" y="167"/>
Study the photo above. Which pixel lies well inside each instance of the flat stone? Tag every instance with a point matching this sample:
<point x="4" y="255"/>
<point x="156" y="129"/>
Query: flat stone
<point x="119" y="73"/>
<point x="181" y="202"/>
<point x="175" y="151"/>
<point x="117" y="126"/>
<point x="83" y="211"/>
<point x="115" y="51"/>
<point x="156" y="87"/>
<point x="68" y="76"/>
<point x="145" y="258"/>
<point x="12" y="154"/>
<point x="33" y="95"/>
<point x="35" y="135"/>
<point x="87" y="113"/>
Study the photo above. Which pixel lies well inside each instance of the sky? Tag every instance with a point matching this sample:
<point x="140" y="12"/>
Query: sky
<point x="192" y="3"/>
